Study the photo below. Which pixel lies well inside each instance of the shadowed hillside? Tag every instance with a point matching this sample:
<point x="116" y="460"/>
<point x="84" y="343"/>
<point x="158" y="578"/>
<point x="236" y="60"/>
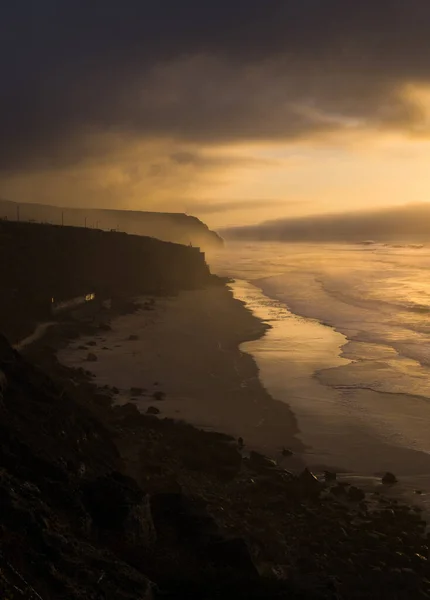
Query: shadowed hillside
<point x="170" y="227"/>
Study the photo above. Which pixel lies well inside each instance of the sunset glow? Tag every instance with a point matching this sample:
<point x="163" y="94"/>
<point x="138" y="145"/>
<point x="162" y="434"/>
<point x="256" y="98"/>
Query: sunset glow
<point x="234" y="129"/>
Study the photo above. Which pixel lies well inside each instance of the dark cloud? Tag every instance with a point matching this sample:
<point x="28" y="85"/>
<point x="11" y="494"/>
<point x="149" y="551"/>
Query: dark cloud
<point x="201" y="71"/>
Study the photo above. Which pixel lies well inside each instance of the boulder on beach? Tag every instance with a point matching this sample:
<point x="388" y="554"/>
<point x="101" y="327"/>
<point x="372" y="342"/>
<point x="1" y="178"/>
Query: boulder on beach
<point x="309" y="482"/>
<point x="389" y="479"/>
<point x="91" y="357"/>
<point x="258" y="462"/>
<point x="338" y="490"/>
<point x="137" y="391"/>
<point x="356" y="494"/>
<point x="158" y="395"/>
<point x="152" y="410"/>
<point x="330" y="476"/>
<point x="129" y="413"/>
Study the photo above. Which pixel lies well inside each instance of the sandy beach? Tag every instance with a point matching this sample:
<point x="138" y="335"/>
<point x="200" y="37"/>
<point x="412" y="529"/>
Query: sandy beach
<point x="187" y="348"/>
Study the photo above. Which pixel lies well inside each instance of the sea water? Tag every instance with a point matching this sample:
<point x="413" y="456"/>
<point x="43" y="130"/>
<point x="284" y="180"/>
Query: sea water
<point x="348" y="348"/>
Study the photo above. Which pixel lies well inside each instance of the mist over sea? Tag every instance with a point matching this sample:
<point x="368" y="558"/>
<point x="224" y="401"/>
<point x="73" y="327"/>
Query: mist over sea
<point x="349" y="347"/>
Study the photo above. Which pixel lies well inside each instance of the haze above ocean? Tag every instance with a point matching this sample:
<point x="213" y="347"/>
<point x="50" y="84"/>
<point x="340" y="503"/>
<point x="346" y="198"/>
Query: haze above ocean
<point x="349" y="347"/>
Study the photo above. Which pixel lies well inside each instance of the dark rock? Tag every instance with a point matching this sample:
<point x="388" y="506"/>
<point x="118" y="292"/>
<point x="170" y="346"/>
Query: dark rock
<point x="133" y="338"/>
<point x="82" y="347"/>
<point x="115" y="390"/>
<point x="240" y="442"/>
<point x="136" y="391"/>
<point x="107" y="499"/>
<point x="91" y="357"/>
<point x="102" y="400"/>
<point x="338" y="490"/>
<point x="105" y="327"/>
<point x="115" y="502"/>
<point x="152" y="410"/>
<point x="128" y="413"/>
<point x="419" y="492"/>
<point x="389" y="479"/>
<point x="309" y="482"/>
<point x="286" y="452"/>
<point x="330" y="476"/>
<point x="159" y="395"/>
<point x="92" y="343"/>
<point x="355" y="494"/>
<point x="258" y="462"/>
<point x="167" y="506"/>
<point x="233" y="554"/>
<point x="176" y="516"/>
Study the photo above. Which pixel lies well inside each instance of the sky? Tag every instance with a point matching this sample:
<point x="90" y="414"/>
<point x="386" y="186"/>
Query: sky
<point x="237" y="111"/>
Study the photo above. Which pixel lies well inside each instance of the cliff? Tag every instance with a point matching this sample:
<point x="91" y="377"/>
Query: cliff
<point x="41" y="263"/>
<point x="170" y="227"/>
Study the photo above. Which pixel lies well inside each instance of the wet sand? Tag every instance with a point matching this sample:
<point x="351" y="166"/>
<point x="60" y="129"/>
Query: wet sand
<point x="359" y="432"/>
<point x="188" y="349"/>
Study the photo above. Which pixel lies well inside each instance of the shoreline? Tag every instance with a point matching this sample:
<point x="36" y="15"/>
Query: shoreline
<point x="246" y="395"/>
<point x="248" y="329"/>
<point x="336" y="433"/>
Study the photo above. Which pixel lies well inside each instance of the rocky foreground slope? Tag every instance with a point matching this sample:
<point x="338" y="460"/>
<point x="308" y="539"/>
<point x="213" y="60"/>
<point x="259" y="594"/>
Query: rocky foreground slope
<point x="74" y="524"/>
<point x="102" y="502"/>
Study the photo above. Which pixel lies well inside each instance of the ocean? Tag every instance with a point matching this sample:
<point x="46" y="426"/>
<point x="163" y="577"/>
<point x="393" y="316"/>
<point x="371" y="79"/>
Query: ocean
<point x="348" y="348"/>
